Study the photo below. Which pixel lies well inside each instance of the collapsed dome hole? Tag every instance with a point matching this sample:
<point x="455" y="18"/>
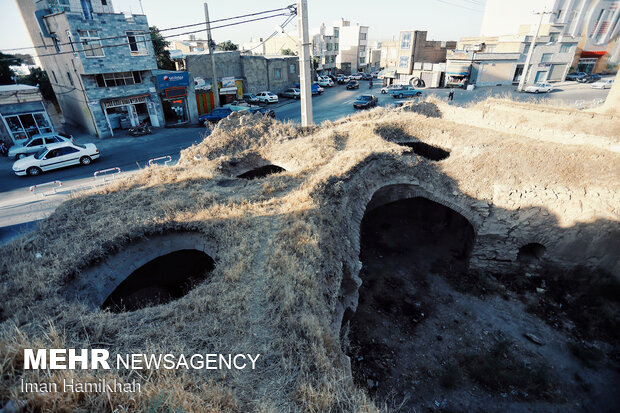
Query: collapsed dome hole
<point x="404" y="246"/>
<point x="531" y="252"/>
<point x="164" y="279"/>
<point x="427" y="151"/>
<point x="262" y="172"/>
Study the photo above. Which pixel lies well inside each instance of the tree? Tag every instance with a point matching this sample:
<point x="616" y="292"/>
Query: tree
<point x="288" y="52"/>
<point x="39" y="77"/>
<point x="6" y="74"/>
<point x="161" y="53"/>
<point x="227" y="45"/>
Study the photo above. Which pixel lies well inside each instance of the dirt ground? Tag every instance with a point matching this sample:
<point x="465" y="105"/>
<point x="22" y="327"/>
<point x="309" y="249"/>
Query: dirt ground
<point x="418" y="344"/>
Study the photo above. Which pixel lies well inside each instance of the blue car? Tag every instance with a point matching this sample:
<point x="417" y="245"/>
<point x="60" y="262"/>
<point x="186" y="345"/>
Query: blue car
<point x="216" y="115"/>
<point x="316" y="89"/>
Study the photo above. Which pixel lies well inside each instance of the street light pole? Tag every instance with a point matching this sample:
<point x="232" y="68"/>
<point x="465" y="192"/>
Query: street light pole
<point x="530" y="52"/>
<point x="214" y="86"/>
<point x="304" y="63"/>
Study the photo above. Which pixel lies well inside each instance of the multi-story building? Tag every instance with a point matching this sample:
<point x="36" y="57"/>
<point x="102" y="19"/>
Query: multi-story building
<point x="341" y="47"/>
<point x="595" y="22"/>
<point x="100" y="63"/>
<point x="500" y="60"/>
<point x="271" y="46"/>
<point x="326" y="47"/>
<point x="412" y="56"/>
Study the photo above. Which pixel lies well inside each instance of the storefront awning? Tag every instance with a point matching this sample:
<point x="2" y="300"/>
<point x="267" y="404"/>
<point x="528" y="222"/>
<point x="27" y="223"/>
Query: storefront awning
<point x="228" y="90"/>
<point x="593" y="53"/>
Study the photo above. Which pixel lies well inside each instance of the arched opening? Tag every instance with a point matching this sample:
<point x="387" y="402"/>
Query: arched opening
<point x="406" y="244"/>
<point x="161" y="280"/>
<point x="531" y="253"/>
<point x="430" y="152"/>
<point x="262" y="172"/>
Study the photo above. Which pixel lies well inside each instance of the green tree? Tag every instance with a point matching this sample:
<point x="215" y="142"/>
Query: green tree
<point x="39" y="77"/>
<point x="161" y="53"/>
<point x="227" y="45"/>
<point x="288" y="52"/>
<point x="6" y="74"/>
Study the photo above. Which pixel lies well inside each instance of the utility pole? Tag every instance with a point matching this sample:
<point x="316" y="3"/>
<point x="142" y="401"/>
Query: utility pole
<point x="214" y="86"/>
<point x="304" y="63"/>
<point x="530" y="52"/>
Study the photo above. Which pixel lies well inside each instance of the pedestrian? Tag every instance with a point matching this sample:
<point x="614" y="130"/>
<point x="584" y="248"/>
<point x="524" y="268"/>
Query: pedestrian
<point x="451" y="94"/>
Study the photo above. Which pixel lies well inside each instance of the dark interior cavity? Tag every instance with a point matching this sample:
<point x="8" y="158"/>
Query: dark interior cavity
<point x="427" y="151"/>
<point x="532" y="252"/>
<point x="262" y="172"/>
<point x="403" y="244"/>
<point x="164" y="279"/>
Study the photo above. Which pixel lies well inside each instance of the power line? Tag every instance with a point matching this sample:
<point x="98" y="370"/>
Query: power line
<point x="290" y="7"/>
<point x="458" y="5"/>
<point x="283" y="25"/>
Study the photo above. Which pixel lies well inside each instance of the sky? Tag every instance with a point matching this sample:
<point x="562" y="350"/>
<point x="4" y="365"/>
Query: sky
<point x="443" y="19"/>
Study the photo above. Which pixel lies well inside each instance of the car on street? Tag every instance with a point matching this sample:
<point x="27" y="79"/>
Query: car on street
<point x="366" y="76"/>
<point x="602" y="84"/>
<point x="405" y="92"/>
<point x="589" y="78"/>
<point x="36" y="143"/>
<point x="55" y="156"/>
<point x="216" y="115"/>
<point x="267" y="97"/>
<point x="316" y="89"/>
<point x="365" y="102"/>
<point x="342" y="79"/>
<point x="264" y="111"/>
<point x="540" y="87"/>
<point x="355" y="76"/>
<point x="386" y="89"/>
<point x="353" y="84"/>
<point x="292" y="93"/>
<point x="250" y="98"/>
<point x="325" y="82"/>
<point x="575" y="75"/>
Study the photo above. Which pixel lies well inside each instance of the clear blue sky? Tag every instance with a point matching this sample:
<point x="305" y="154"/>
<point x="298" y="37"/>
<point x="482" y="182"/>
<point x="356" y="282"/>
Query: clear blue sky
<point x="443" y="19"/>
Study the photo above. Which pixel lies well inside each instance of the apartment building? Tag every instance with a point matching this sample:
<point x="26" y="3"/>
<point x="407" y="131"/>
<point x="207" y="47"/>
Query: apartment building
<point x="326" y="47"/>
<point x="100" y="63"/>
<point x="342" y="47"/>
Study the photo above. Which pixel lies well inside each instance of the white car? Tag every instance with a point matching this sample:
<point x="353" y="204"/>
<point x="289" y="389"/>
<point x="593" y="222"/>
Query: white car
<point x="36" y="143"/>
<point x="54" y="156"/>
<point x="540" y="87"/>
<point x="267" y="97"/>
<point x="602" y="84"/>
<point x="325" y="82"/>
<point x="355" y="76"/>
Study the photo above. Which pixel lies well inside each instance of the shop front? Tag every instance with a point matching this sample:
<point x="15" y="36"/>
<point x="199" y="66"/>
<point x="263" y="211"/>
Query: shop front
<point x="124" y="113"/>
<point x="231" y="89"/>
<point x="23" y="120"/>
<point x="172" y="88"/>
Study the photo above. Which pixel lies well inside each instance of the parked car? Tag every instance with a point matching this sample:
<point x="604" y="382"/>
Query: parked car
<point x="386" y="89"/>
<point x="365" y="102"/>
<point x="540" y="87"/>
<point x="602" y="84"/>
<point x="405" y="92"/>
<point x="267" y="97"/>
<point x="325" y="82"/>
<point x="342" y="79"/>
<point x="216" y="115"/>
<point x="250" y="98"/>
<point x="575" y="75"/>
<point x="264" y="111"/>
<point x="353" y="84"/>
<point x="55" y="156"/>
<point x="366" y="76"/>
<point x="355" y="76"/>
<point x="315" y="88"/>
<point x="36" y="143"/>
<point x="292" y="93"/>
<point x="589" y="78"/>
<point x="333" y="78"/>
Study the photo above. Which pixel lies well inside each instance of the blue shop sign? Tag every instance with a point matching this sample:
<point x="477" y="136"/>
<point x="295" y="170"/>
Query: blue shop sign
<point x="174" y="79"/>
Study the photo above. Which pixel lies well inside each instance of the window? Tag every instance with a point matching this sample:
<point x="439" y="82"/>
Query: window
<point x="278" y="74"/>
<point x="137" y="44"/>
<point x="546" y="57"/>
<point x="362" y="60"/>
<point x="63" y="5"/>
<point x="336" y="32"/>
<point x="35" y="142"/>
<point x="91" y="43"/>
<point x="526" y="49"/>
<point x="405" y="42"/>
<point x="70" y="39"/>
<point x="70" y="78"/>
<point x="54" y="76"/>
<point x="329" y="46"/>
<point x="52" y="154"/>
<point x="403" y="63"/>
<point x="104" y="2"/>
<point x="118" y="79"/>
<point x="291" y="69"/>
<point x="67" y="150"/>
<point x="336" y="46"/>
<point x="553" y="38"/>
<point x="566" y="48"/>
<point x="363" y="36"/>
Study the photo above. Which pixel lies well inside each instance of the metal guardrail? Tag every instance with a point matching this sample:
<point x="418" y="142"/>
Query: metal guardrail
<point x="105" y="173"/>
<point x="35" y="188"/>
<point x="167" y="157"/>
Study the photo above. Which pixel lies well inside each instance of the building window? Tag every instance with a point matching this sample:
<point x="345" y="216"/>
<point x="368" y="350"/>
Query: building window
<point x="118" y="79"/>
<point x="291" y="69"/>
<point x="104" y="2"/>
<point x="70" y="39"/>
<point x="336" y="46"/>
<point x="278" y="74"/>
<point x="405" y="42"/>
<point x="526" y="49"/>
<point x="70" y="78"/>
<point x="137" y="44"/>
<point x="403" y="62"/>
<point x="54" y="76"/>
<point x="56" y="42"/>
<point x="91" y="43"/>
<point x="362" y="60"/>
<point x="363" y="36"/>
<point x="546" y="57"/>
<point x="336" y="32"/>
<point x="553" y="38"/>
<point x="566" y="48"/>
<point x="329" y="46"/>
